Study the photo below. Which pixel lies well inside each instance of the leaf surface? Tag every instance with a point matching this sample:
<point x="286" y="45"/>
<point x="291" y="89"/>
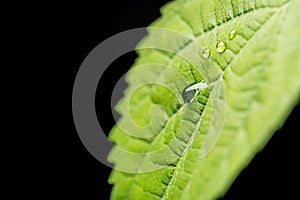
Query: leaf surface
<point x="257" y="74"/>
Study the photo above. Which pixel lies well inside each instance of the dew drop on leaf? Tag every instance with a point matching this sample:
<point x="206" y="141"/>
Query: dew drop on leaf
<point x="206" y="53"/>
<point x="190" y="92"/>
<point x="221" y="47"/>
<point x="232" y="34"/>
<point x="188" y="95"/>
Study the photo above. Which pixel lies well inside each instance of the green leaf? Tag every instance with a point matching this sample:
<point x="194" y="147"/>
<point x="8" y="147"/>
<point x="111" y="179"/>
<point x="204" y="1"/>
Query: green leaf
<point x="167" y="148"/>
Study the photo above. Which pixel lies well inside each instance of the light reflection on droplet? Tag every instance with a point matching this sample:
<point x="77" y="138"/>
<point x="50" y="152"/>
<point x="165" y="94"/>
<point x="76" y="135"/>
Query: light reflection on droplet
<point x="232" y="34"/>
<point x="221" y="47"/>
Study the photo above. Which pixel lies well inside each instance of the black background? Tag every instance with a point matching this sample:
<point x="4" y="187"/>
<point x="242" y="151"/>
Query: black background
<point x="269" y="175"/>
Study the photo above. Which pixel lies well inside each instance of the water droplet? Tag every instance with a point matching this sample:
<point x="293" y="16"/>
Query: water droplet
<point x="221" y="47"/>
<point x="190" y="92"/>
<point x="206" y="53"/>
<point x="188" y="95"/>
<point x="232" y="34"/>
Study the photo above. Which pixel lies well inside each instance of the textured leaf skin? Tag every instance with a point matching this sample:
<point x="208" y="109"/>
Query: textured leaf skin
<point x="260" y="72"/>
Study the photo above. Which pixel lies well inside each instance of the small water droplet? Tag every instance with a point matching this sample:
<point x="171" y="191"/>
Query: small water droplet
<point x="188" y="96"/>
<point x="232" y="34"/>
<point x="190" y="92"/>
<point x="206" y="53"/>
<point x="221" y="47"/>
